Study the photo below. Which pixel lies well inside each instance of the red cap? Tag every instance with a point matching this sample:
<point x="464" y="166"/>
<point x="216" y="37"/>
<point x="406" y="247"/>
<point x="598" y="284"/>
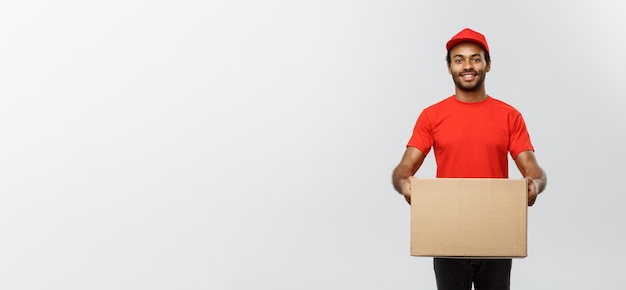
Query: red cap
<point x="468" y="35"/>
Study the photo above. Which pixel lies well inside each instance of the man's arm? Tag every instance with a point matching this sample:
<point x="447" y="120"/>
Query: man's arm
<point x="410" y="163"/>
<point x="537" y="180"/>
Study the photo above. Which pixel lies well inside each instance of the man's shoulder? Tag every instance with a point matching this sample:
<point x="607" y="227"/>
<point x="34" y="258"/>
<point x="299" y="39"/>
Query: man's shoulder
<point x="440" y="104"/>
<point x="501" y="104"/>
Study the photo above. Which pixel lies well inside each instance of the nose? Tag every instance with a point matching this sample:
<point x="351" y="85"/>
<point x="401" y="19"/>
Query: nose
<point x="468" y="65"/>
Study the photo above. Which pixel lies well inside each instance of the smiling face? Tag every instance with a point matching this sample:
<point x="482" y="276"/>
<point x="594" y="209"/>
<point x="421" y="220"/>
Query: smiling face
<point x="468" y="66"/>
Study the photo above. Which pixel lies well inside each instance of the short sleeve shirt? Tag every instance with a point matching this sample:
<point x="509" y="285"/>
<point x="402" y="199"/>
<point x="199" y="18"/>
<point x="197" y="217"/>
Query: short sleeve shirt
<point x="471" y="140"/>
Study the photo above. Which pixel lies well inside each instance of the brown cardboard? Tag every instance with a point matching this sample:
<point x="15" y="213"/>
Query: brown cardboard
<point x="469" y="217"/>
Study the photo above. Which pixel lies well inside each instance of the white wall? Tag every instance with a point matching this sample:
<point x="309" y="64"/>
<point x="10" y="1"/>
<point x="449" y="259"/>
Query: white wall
<point x="249" y="144"/>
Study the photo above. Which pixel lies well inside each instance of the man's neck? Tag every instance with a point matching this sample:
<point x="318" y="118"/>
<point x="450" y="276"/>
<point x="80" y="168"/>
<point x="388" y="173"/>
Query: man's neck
<point x="470" y="97"/>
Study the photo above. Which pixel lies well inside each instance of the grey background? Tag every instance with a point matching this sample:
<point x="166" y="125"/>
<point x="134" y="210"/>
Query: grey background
<point x="249" y="144"/>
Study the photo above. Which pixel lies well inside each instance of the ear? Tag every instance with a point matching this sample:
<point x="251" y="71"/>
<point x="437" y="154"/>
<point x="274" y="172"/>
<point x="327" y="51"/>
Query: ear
<point x="449" y="69"/>
<point x="488" y="67"/>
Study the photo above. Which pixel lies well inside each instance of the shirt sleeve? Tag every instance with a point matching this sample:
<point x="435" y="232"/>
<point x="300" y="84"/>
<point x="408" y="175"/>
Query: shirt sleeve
<point x="422" y="137"/>
<point x="519" y="138"/>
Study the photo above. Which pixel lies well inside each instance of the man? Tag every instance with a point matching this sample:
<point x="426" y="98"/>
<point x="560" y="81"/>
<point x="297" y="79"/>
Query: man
<point x="471" y="135"/>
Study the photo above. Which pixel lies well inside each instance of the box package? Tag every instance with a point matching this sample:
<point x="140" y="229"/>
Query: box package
<point x="469" y="217"/>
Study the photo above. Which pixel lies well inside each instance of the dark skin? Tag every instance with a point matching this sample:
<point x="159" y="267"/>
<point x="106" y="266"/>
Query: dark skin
<point x="468" y="69"/>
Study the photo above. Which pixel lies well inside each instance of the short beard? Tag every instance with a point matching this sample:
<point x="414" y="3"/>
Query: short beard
<point x="468" y="87"/>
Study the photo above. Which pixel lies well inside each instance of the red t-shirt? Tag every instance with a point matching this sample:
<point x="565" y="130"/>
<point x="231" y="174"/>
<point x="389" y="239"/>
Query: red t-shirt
<point x="471" y="140"/>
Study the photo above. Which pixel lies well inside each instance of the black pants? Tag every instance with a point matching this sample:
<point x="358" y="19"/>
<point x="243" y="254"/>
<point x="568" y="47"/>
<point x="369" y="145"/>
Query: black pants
<point x="458" y="274"/>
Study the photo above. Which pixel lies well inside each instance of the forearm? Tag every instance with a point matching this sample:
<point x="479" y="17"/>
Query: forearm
<point x="410" y="163"/>
<point x="539" y="177"/>
<point x="400" y="175"/>
<point x="529" y="168"/>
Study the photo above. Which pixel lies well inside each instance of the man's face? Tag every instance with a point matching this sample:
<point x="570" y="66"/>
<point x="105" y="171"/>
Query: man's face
<point x="468" y="66"/>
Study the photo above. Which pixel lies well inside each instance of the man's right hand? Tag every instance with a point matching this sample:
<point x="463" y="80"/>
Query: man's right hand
<point x="406" y="189"/>
<point x="401" y="177"/>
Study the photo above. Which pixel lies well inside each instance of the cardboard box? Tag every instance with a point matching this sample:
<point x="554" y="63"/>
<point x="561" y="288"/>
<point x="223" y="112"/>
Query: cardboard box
<point x="469" y="217"/>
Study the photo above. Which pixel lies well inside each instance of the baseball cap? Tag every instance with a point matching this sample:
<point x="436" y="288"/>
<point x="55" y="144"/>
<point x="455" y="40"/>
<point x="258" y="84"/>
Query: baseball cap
<point x="468" y="35"/>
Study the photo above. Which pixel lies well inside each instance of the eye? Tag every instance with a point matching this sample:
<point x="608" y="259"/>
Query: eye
<point x="458" y="60"/>
<point x="476" y="59"/>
